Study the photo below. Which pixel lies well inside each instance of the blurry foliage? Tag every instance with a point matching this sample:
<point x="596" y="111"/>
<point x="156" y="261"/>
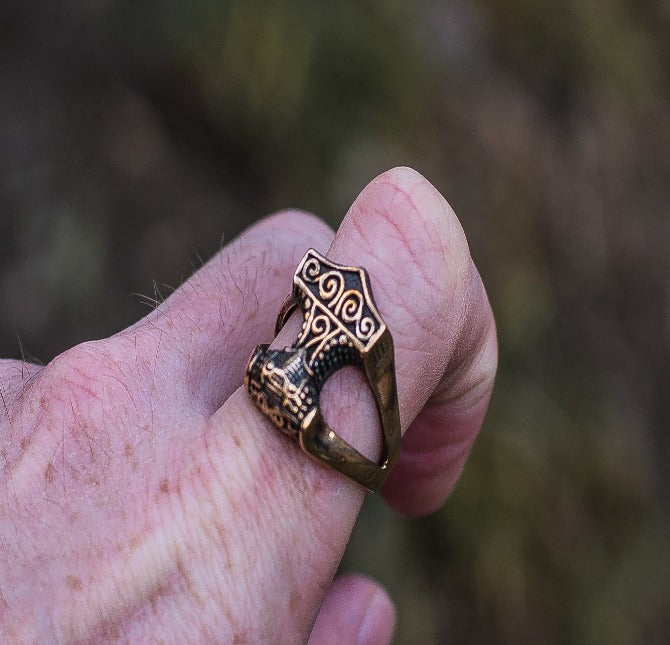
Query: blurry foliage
<point x="286" y="85"/>
<point x="610" y="44"/>
<point x="134" y="137"/>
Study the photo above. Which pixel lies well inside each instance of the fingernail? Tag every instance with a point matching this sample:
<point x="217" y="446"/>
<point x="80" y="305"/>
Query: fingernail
<point x="378" y="621"/>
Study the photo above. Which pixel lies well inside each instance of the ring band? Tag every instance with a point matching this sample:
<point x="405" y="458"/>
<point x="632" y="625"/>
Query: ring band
<point x="341" y="327"/>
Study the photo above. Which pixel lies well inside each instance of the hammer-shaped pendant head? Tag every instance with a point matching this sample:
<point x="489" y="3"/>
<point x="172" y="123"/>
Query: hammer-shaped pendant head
<point x="340" y="324"/>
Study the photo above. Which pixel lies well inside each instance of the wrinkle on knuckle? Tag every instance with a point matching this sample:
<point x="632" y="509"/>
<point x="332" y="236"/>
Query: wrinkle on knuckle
<point x="89" y="376"/>
<point x="85" y="395"/>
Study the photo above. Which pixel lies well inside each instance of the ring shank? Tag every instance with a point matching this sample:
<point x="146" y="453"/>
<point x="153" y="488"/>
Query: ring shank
<point x="320" y="441"/>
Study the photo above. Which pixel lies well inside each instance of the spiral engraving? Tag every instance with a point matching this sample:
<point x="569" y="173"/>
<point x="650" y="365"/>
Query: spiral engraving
<point x="331" y="286"/>
<point x="365" y="327"/>
<point x="335" y="293"/>
<point x="310" y="270"/>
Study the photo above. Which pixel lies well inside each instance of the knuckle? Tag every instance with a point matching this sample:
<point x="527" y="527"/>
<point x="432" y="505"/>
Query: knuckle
<point x="276" y="239"/>
<point x="293" y="221"/>
<point x="90" y="383"/>
<point x="229" y="290"/>
<point x="82" y="370"/>
<point x="65" y="424"/>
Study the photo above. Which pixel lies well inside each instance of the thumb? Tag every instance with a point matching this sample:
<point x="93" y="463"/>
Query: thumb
<point x="355" y="610"/>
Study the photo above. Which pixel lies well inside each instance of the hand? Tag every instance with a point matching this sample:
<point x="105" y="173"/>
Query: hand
<point x="143" y="496"/>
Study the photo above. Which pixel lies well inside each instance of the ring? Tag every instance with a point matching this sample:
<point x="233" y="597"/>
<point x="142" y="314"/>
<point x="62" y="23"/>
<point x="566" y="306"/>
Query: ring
<point x="341" y="326"/>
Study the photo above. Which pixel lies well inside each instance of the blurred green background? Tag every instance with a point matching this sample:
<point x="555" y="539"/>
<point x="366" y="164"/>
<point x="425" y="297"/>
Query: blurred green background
<point x="136" y="137"/>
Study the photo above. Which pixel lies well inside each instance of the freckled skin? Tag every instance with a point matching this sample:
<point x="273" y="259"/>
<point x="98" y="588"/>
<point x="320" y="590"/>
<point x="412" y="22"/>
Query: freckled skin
<point x="143" y="498"/>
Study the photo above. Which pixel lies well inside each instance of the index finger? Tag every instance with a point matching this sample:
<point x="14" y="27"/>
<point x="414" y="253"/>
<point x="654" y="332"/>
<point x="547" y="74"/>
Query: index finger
<point x="413" y="247"/>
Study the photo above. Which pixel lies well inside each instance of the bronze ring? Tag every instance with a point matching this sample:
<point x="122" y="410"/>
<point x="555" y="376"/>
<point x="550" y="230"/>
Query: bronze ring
<point x="341" y="327"/>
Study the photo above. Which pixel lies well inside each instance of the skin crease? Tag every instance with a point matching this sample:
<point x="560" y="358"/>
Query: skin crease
<point x="145" y="499"/>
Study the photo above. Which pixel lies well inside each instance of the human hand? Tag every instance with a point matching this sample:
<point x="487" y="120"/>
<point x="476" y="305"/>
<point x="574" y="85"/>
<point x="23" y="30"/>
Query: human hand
<point x="143" y="496"/>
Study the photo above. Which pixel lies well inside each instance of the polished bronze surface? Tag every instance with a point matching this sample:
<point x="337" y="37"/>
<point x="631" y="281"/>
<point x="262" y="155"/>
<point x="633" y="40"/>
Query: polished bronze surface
<point x="341" y="327"/>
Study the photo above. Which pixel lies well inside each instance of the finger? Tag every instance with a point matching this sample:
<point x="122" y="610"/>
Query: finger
<point x="355" y="610"/>
<point x="438" y="442"/>
<point x="204" y="332"/>
<point x="406" y="236"/>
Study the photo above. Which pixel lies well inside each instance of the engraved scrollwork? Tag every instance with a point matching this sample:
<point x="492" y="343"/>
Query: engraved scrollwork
<point x="350" y="308"/>
<point x="317" y="328"/>
<point x="311" y="270"/>
<point x="365" y="327"/>
<point x="276" y="380"/>
<point x="347" y="305"/>
<point x="322" y="329"/>
<point x="331" y="286"/>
